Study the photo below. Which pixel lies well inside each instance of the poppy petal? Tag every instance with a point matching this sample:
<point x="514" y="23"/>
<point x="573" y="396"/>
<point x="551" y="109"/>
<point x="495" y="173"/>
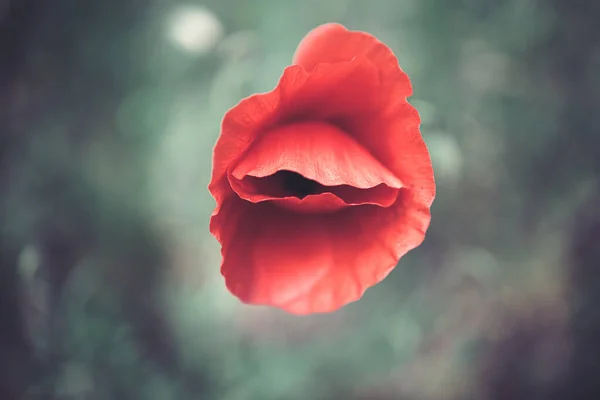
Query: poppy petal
<point x="317" y="151"/>
<point x="333" y="43"/>
<point x="394" y="138"/>
<point x="315" y="263"/>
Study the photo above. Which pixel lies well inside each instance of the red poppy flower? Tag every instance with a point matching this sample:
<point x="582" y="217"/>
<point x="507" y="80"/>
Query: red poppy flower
<point x="324" y="183"/>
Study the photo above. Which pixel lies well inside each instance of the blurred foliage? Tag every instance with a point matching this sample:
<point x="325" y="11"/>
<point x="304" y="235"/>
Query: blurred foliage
<point x="110" y="280"/>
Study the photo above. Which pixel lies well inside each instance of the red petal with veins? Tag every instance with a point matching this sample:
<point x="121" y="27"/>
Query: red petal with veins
<point x="314" y="263"/>
<point x="333" y="43"/>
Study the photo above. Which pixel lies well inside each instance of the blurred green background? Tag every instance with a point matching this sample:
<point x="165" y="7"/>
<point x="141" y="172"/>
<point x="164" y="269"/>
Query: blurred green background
<point x="109" y="279"/>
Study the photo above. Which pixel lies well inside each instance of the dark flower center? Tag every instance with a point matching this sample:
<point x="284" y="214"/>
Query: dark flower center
<point x="296" y="185"/>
